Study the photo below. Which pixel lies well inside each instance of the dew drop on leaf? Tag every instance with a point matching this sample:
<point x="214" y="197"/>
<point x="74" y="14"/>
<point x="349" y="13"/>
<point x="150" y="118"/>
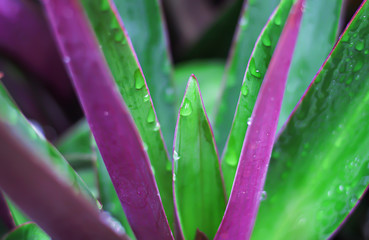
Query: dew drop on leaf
<point x="139" y="80"/>
<point x="255" y="72"/>
<point x="157" y="126"/>
<point x="345" y="38"/>
<point x="186" y="108"/>
<point x="249" y="121"/>
<point x="359" y="64"/>
<point x="244" y="90"/>
<point x="151" y="116"/>
<point x="263" y="196"/>
<point x="146" y="98"/>
<point x="266" y="40"/>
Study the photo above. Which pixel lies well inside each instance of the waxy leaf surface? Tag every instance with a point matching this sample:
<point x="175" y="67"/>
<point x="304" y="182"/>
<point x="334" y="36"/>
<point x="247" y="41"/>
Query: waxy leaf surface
<point x="197" y="180"/>
<point x="243" y="204"/>
<point x="146" y="27"/>
<point x="319" y="166"/>
<point x="131" y="83"/>
<point x="255" y="72"/>
<point x="255" y="15"/>
<point x="110" y="121"/>
<point x="314" y="43"/>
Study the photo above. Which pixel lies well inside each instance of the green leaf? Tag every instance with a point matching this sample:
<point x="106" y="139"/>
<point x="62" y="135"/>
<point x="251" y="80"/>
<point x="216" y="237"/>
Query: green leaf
<point x="144" y="23"/>
<point x="108" y="196"/>
<point x="29" y="231"/>
<point x="198" y="186"/>
<point x="10" y="114"/>
<point x="210" y="75"/>
<point x="319" y="166"/>
<point x="255" y="72"/>
<point x="74" y="145"/>
<point x="131" y="83"/>
<point x="313" y="45"/>
<point x="253" y="19"/>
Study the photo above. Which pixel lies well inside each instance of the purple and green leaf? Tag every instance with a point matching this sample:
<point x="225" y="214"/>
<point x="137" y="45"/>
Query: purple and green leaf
<point x="56" y="213"/>
<point x="6" y="219"/>
<point x="319" y="166"/>
<point x="255" y="72"/>
<point x="197" y="180"/>
<point x="242" y="208"/>
<point x="131" y="83"/>
<point x="314" y="43"/>
<point x="110" y="121"/>
<point x="146" y="27"/>
<point x="253" y="18"/>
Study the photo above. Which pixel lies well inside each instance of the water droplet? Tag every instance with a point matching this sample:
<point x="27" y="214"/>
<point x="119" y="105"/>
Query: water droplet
<point x="186" y="108"/>
<point x="118" y="37"/>
<point x="104" y="5"/>
<point x="341" y="188"/>
<point x="349" y="79"/>
<point x="146" y="97"/>
<point x="249" y="121"/>
<point x="151" y="116"/>
<point x="157" y="126"/>
<point x="266" y="40"/>
<point x="255" y="72"/>
<point x="66" y="59"/>
<point x="360" y="45"/>
<point x="175" y="156"/>
<point x="359" y="64"/>
<point x="263" y="196"/>
<point x="139" y="80"/>
<point x="278" y="20"/>
<point x="366" y="52"/>
<point x="231" y="158"/>
<point x="174" y="177"/>
<point x="244" y="89"/>
<point x="244" y="22"/>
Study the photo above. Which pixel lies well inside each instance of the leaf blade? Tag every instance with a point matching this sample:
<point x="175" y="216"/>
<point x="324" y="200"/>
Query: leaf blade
<point x="336" y="171"/>
<point x="240" y="215"/>
<point x="195" y="157"/>
<point x="109" y="119"/>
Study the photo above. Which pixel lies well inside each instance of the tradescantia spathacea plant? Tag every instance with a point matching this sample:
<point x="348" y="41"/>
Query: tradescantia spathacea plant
<point x="301" y="182"/>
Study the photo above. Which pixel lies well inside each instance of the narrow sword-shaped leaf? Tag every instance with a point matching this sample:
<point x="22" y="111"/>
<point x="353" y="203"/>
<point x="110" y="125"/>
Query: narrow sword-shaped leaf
<point x="44" y="196"/>
<point x="319" y="166"/>
<point x="314" y="43"/>
<point x="6" y="220"/>
<point x="255" y="72"/>
<point x="240" y="215"/>
<point x="108" y="196"/>
<point x="131" y="83"/>
<point x="253" y="18"/>
<point x="197" y="179"/>
<point x="145" y="25"/>
<point x="111" y="124"/>
<point x="28" y="231"/>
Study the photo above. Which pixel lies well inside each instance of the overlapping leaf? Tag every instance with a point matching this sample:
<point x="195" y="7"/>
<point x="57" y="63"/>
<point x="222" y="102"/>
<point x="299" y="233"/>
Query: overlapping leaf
<point x="253" y="19"/>
<point x="255" y="72"/>
<point x="28" y="231"/>
<point x="319" y="167"/>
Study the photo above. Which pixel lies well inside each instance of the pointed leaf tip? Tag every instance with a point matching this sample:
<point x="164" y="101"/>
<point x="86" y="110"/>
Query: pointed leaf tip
<point x="244" y="201"/>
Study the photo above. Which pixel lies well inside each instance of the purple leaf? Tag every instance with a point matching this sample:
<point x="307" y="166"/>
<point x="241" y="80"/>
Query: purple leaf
<point x="244" y="201"/>
<point x="44" y="196"/>
<point x="111" y="124"/>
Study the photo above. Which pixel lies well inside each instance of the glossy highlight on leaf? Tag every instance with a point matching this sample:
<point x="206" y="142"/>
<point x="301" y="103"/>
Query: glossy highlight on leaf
<point x="131" y="83"/>
<point x="197" y="179"/>
<point x="255" y="72"/>
<point x="243" y="204"/>
<point x="319" y="165"/>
